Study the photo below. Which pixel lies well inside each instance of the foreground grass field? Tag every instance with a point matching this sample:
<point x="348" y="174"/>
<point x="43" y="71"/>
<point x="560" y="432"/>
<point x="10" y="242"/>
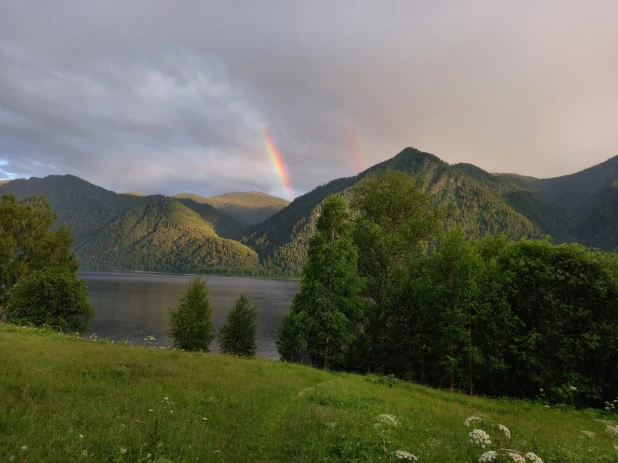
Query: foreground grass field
<point x="64" y="399"/>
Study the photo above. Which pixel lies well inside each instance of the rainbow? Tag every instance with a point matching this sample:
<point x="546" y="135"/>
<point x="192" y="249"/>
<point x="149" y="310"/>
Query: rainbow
<point x="355" y="146"/>
<point x="277" y="161"/>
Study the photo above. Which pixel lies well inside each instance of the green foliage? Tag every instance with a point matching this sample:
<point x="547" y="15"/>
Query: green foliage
<point x="326" y="311"/>
<point x="164" y="236"/>
<point x="52" y="297"/>
<point x="394" y="219"/>
<point x="190" y="323"/>
<point x="238" y="335"/>
<point x="28" y="242"/>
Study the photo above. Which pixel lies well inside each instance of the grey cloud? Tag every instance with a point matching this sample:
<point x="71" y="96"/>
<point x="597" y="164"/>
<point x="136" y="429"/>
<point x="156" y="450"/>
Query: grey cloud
<point x="165" y="96"/>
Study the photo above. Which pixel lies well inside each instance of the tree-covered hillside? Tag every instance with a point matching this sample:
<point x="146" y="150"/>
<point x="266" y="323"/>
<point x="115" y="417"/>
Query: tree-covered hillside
<point x="246" y="208"/>
<point x="587" y="202"/>
<point x="480" y="209"/>
<point x="163" y="236"/>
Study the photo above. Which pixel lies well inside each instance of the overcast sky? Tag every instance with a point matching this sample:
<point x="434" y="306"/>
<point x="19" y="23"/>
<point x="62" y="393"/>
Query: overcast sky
<point x="171" y="95"/>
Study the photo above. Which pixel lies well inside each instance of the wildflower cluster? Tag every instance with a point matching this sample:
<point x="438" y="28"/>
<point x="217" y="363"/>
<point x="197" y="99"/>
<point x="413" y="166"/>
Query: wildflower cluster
<point x="533" y="458"/>
<point x="479" y="437"/>
<point x="403" y="455"/>
<point x="387" y="420"/>
<point x="611" y="406"/>
<point x="488" y="457"/>
<point x="612" y="431"/>
<point x="516" y="457"/>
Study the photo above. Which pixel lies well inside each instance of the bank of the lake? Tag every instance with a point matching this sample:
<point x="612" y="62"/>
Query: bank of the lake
<point x="135" y="306"/>
<point x="69" y="399"/>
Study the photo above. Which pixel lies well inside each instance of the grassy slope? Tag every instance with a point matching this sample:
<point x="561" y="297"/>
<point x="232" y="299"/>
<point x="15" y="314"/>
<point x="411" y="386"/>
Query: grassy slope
<point x="55" y="388"/>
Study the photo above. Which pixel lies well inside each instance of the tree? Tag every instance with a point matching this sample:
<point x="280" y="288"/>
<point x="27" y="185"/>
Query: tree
<point x="190" y="323"/>
<point x="237" y="336"/>
<point x="394" y="218"/>
<point x="28" y="242"/>
<point x="325" y="312"/>
<point x="54" y="298"/>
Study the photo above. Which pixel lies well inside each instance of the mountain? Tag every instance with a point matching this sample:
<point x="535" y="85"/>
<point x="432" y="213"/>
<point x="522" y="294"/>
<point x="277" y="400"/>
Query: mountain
<point x="135" y="193"/>
<point x="473" y="198"/>
<point x="190" y="233"/>
<point x="112" y="229"/>
<point x="163" y="236"/>
<point x="247" y="208"/>
<point x="588" y="201"/>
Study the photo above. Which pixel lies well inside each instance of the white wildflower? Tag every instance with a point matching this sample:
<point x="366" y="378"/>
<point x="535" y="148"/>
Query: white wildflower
<point x="479" y="437"/>
<point x="488" y="457"/>
<point x="388" y="420"/>
<point x="151" y="410"/>
<point x="84" y="453"/>
<point x="81" y="436"/>
<point x="165" y="398"/>
<point x="573" y="389"/>
<point x="516" y="457"/>
<point x="403" y="455"/>
<point x="533" y="457"/>
<point x="588" y="433"/>
<point x="123" y="450"/>
<point x="546" y="406"/>
<point x="612" y="430"/>
<point x="505" y="430"/>
<point x="148" y="455"/>
<point x="12" y="458"/>
<point x="204" y="419"/>
<point x="23" y="447"/>
<point x="472" y="419"/>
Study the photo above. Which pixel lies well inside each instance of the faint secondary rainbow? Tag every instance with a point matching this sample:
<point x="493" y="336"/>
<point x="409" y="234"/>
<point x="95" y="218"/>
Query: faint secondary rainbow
<point x="355" y="144"/>
<point x="278" y="163"/>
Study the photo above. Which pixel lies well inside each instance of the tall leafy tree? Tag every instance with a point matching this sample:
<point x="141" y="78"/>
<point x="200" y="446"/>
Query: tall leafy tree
<point x="238" y="335"/>
<point x="394" y="218"/>
<point x="190" y="323"/>
<point x="325" y="312"/>
<point x="28" y="242"/>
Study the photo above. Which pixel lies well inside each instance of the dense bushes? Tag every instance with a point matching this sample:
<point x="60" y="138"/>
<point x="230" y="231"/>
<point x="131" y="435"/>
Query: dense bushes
<point x="488" y="316"/>
<point x="53" y="298"/>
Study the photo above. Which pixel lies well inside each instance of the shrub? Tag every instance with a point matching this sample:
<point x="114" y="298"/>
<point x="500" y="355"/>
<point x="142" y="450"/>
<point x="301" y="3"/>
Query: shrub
<point x="190" y="323"/>
<point x="237" y="336"/>
<point x="56" y="298"/>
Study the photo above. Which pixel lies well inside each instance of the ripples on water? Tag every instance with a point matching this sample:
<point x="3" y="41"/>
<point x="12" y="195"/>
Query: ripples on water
<point x="132" y="306"/>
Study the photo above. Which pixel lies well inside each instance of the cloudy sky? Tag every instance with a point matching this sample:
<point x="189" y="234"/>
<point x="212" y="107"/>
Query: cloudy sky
<point x="173" y="95"/>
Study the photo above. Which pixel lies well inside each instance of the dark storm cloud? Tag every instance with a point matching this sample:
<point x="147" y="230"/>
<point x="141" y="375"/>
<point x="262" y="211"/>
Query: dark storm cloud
<point x="164" y="96"/>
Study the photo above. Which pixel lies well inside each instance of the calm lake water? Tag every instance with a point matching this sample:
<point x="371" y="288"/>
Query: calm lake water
<point x="133" y="306"/>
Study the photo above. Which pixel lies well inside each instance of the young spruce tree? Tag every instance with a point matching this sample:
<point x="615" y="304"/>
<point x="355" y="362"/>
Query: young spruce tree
<point x="323" y="320"/>
<point x="237" y="336"/>
<point x="190" y="323"/>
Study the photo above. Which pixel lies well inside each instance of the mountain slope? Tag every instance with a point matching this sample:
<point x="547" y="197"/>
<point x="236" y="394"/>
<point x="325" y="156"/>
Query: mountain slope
<point x="282" y="239"/>
<point x="87" y="208"/>
<point x="246" y="208"/>
<point x="84" y="207"/>
<point x="587" y="200"/>
<point x="162" y="236"/>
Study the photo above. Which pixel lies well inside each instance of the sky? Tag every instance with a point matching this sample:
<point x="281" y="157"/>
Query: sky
<point x="165" y="96"/>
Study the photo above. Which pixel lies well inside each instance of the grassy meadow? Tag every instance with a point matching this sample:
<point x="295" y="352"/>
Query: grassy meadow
<point x="66" y="399"/>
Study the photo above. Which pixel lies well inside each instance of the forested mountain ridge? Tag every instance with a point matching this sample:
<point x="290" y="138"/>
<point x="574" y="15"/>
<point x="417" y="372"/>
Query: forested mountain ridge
<point x="246" y="208"/>
<point x="163" y="236"/>
<point x="582" y="207"/>
<point x="282" y="239"/>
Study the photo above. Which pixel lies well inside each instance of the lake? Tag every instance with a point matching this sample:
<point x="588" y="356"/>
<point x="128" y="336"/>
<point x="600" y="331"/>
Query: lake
<point x="132" y="306"/>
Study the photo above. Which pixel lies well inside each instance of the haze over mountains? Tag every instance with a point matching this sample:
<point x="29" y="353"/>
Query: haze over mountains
<point x="233" y="232"/>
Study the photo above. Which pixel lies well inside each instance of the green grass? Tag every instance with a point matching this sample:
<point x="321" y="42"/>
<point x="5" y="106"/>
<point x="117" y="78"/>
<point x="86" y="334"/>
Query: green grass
<point x="55" y="389"/>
